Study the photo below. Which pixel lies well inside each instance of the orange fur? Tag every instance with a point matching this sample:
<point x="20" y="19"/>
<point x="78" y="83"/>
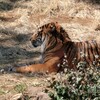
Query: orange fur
<point x="55" y="42"/>
<point x="49" y="66"/>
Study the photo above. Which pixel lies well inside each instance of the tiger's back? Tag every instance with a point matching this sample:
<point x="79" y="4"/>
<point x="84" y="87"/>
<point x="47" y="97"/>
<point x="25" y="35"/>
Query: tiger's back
<point x="87" y="51"/>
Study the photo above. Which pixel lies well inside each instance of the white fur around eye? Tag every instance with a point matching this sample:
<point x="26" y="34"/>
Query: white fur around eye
<point x="39" y="29"/>
<point x="51" y="26"/>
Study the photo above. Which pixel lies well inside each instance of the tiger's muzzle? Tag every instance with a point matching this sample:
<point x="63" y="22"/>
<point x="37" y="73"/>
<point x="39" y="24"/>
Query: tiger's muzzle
<point x="37" y="42"/>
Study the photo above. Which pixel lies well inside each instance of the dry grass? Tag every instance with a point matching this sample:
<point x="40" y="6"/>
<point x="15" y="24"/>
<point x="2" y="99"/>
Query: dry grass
<point x="80" y="19"/>
<point x="77" y="18"/>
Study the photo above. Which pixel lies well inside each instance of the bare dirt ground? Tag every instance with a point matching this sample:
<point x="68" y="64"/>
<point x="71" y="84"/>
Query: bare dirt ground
<point x="18" y="21"/>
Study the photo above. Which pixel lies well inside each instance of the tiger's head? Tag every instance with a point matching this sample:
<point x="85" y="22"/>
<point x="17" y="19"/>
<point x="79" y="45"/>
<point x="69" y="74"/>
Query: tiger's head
<point x="47" y="33"/>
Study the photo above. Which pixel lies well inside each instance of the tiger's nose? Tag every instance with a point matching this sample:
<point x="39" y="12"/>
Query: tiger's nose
<point x="35" y="43"/>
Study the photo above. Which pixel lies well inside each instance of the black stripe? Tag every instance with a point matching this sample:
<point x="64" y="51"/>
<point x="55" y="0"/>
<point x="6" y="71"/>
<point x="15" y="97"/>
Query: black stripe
<point x="97" y="47"/>
<point x="46" y="25"/>
<point x="70" y="51"/>
<point x="85" y="52"/>
<point x="88" y="47"/>
<point x="68" y="45"/>
<point x="52" y="44"/>
<point x="88" y="55"/>
<point x="73" y="52"/>
<point x="92" y="52"/>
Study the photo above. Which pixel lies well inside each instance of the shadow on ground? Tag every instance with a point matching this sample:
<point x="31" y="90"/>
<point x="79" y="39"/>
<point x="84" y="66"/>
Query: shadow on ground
<point x="90" y="1"/>
<point x="16" y="50"/>
<point x="5" y="6"/>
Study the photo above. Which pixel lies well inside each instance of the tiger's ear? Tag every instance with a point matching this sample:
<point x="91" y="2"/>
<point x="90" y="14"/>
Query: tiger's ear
<point x="53" y="27"/>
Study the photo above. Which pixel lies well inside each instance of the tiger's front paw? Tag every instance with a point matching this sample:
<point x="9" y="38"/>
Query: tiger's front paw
<point x="13" y="69"/>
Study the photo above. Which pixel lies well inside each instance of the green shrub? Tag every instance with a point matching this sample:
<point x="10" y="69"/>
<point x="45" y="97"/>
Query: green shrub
<point x="82" y="84"/>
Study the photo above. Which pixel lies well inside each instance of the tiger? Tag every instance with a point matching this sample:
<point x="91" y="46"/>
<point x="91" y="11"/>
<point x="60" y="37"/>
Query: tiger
<point x="56" y="45"/>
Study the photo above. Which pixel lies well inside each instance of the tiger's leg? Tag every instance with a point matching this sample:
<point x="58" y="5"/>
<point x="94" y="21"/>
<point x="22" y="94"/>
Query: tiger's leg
<point x="49" y="66"/>
<point x="36" y="68"/>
